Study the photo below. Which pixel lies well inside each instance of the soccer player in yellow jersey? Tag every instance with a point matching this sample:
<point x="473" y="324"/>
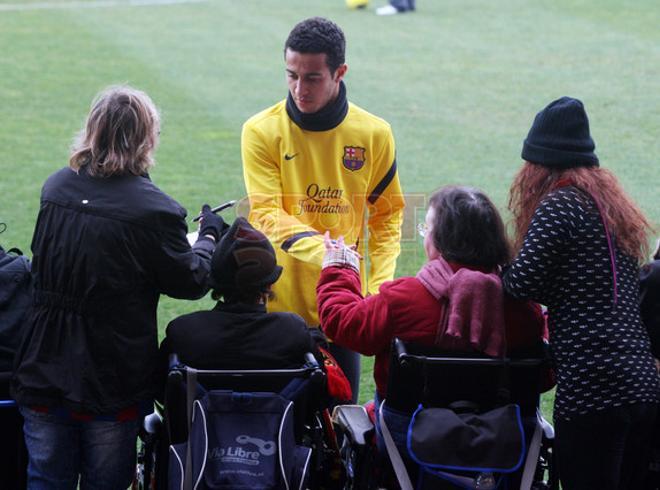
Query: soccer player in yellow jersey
<point x="315" y="162"/>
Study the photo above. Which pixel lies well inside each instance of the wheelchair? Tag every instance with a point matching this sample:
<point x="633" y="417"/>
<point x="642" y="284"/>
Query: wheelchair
<point x="170" y="426"/>
<point x="13" y="454"/>
<point x="422" y="378"/>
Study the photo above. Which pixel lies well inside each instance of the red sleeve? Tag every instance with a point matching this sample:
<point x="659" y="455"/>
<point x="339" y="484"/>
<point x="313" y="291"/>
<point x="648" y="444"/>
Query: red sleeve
<point x="357" y="323"/>
<point x="525" y="324"/>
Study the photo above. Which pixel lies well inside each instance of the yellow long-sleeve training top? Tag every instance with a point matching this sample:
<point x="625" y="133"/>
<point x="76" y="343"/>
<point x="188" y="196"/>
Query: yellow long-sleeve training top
<point x="302" y="182"/>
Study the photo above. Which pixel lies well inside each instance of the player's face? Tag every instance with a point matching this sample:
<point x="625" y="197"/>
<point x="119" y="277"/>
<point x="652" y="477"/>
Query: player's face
<point x="311" y="84"/>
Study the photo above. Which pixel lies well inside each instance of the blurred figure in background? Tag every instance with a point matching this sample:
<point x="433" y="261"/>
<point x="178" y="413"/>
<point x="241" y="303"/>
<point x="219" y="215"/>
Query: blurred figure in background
<point x="396" y="7"/>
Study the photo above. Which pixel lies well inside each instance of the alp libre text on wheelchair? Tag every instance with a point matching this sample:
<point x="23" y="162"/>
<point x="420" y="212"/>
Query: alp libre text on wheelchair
<point x="243" y="428"/>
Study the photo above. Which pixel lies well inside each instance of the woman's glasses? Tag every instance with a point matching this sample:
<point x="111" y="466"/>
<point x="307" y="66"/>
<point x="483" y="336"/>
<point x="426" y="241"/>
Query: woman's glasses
<point x="422" y="229"/>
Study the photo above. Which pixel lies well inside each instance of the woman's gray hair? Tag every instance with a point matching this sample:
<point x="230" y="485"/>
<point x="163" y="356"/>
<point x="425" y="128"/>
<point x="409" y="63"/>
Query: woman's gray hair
<point x="120" y="134"/>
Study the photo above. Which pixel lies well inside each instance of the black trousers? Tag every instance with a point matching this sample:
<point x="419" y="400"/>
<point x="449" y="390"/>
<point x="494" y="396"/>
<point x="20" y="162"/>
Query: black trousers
<point x="349" y="362"/>
<point x="606" y="450"/>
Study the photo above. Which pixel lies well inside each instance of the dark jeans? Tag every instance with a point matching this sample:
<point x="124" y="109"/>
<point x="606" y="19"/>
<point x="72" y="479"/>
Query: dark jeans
<point x="349" y="362"/>
<point x="606" y="450"/>
<point x="13" y="455"/>
<point x="101" y="452"/>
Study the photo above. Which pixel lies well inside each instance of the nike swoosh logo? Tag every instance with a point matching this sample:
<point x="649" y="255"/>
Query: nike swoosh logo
<point x="290" y="157"/>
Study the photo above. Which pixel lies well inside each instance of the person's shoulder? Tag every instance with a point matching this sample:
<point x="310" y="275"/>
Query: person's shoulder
<point x="186" y="324"/>
<point x="650" y="273"/>
<point x="568" y="204"/>
<point x="290" y="326"/>
<point x="266" y="116"/>
<point x="402" y="288"/>
<point x="161" y="197"/>
<point x="565" y="200"/>
<point x="364" y="117"/>
<point x="569" y="193"/>
<point x="14" y="264"/>
<point x="151" y="205"/>
<point x="289" y="319"/>
<point x="58" y="178"/>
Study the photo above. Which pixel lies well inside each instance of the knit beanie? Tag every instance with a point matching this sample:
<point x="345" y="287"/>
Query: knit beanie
<point x="559" y="137"/>
<point x="243" y="260"/>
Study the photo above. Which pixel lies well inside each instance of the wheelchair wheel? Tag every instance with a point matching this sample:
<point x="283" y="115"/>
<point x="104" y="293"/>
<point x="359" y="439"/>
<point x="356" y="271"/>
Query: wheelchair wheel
<point x="145" y="470"/>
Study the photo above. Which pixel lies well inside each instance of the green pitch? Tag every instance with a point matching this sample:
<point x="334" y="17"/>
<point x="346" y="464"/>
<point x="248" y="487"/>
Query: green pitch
<point x="459" y="80"/>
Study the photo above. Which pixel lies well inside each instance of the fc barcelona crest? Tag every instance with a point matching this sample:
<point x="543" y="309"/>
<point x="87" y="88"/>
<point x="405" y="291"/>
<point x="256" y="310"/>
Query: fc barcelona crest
<point x="354" y="157"/>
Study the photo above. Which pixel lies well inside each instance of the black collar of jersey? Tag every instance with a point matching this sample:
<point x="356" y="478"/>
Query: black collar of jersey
<point x="326" y="119"/>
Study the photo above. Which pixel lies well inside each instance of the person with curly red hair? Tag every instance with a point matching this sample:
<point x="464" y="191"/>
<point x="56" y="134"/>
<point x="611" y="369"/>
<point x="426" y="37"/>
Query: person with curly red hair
<point x="580" y="240"/>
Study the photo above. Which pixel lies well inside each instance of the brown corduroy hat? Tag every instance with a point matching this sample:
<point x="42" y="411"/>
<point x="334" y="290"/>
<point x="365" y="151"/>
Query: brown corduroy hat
<point x="243" y="260"/>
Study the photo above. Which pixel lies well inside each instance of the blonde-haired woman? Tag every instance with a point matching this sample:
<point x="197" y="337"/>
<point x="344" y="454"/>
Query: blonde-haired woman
<point x="106" y="244"/>
<point x="580" y="240"/>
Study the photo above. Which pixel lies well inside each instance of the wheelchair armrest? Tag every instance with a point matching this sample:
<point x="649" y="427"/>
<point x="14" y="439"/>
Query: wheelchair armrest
<point x="548" y="429"/>
<point x="152" y="423"/>
<point x="355" y="422"/>
<point x="317" y="375"/>
<point x="173" y="361"/>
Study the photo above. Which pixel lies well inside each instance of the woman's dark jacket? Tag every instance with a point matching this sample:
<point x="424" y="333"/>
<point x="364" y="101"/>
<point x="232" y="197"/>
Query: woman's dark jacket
<point x="104" y="249"/>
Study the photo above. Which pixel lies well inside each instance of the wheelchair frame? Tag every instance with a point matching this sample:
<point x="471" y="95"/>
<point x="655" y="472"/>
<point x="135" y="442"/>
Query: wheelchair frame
<point x="355" y="429"/>
<point x="160" y="431"/>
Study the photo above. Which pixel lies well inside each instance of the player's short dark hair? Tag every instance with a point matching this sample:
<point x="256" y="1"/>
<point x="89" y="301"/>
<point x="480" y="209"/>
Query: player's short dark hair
<point x="318" y="35"/>
<point x="467" y="228"/>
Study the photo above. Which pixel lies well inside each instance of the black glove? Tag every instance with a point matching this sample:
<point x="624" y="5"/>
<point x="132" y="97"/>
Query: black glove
<point x="211" y="224"/>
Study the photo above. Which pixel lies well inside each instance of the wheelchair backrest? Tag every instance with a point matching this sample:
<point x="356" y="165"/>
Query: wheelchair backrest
<point x="240" y="440"/>
<point x="425" y="375"/>
<point x="304" y="394"/>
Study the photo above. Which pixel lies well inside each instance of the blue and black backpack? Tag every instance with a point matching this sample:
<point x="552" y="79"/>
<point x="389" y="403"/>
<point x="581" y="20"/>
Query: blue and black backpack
<point x="240" y="441"/>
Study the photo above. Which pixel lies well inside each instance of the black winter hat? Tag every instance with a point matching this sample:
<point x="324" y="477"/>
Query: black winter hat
<point x="559" y="137"/>
<point x="244" y="260"/>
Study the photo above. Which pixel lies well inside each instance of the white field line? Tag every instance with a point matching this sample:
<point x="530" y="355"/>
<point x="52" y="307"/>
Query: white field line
<point x="90" y="5"/>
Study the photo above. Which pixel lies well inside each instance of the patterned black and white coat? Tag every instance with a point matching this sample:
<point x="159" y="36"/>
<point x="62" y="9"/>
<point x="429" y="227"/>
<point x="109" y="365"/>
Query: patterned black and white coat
<point x="601" y="349"/>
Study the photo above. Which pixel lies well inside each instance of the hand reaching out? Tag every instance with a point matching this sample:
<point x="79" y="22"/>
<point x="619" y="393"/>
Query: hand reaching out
<point x="339" y="255"/>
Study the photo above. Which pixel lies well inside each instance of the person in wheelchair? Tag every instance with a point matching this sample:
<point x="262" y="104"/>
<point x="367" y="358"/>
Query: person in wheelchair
<point x="455" y="302"/>
<point x="238" y="332"/>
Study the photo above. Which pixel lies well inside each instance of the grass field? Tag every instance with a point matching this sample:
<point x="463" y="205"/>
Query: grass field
<point x="459" y="81"/>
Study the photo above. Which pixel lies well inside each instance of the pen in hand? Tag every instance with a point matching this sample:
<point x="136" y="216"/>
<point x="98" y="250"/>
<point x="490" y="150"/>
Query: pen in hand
<point x="217" y="209"/>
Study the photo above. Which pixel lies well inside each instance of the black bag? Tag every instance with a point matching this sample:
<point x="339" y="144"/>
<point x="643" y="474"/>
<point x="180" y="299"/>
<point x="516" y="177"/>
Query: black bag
<point x="15" y="299"/>
<point x="441" y="440"/>
<point x="464" y="448"/>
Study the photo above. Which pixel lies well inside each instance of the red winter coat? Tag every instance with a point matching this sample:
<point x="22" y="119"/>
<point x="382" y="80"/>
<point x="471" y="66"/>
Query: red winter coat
<point x="403" y="308"/>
